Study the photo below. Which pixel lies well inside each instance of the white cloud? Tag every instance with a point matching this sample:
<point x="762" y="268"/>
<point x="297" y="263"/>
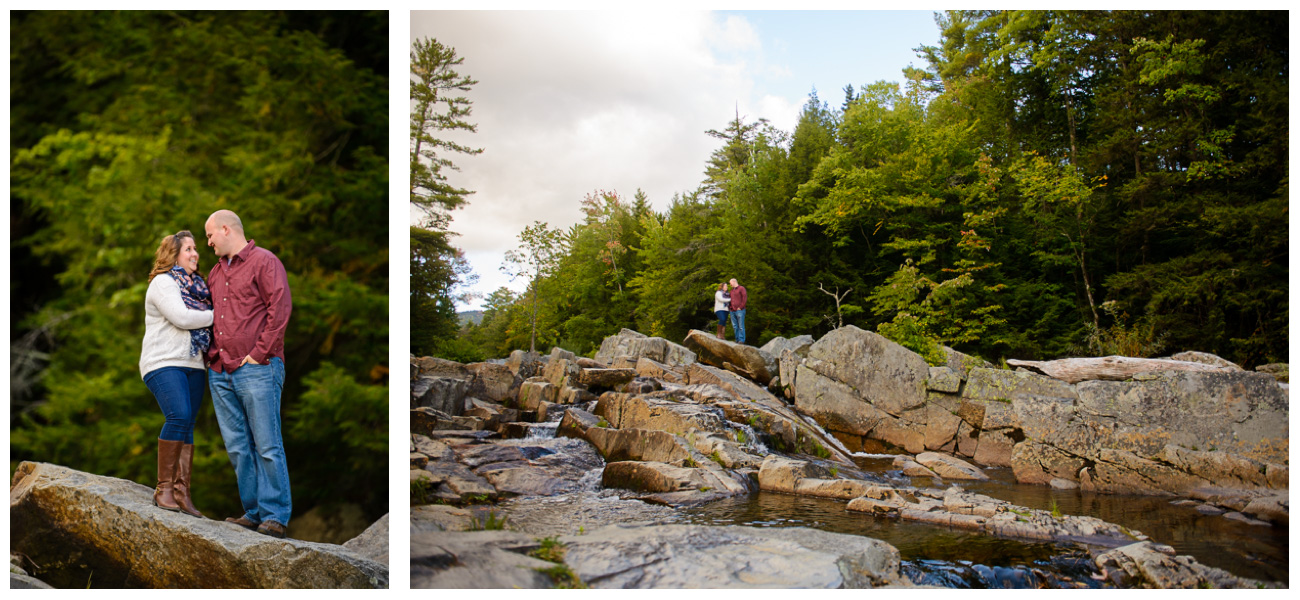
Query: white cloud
<point x="571" y="102"/>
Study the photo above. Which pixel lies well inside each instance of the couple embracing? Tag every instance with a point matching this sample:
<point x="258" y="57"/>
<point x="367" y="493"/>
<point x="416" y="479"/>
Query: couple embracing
<point x="731" y="302"/>
<point x="229" y="331"/>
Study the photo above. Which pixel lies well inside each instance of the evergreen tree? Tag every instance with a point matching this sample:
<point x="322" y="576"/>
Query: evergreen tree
<point x="437" y="267"/>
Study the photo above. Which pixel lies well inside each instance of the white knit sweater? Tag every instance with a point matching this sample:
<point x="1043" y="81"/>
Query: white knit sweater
<point x="167" y="325"/>
<point x="719" y="301"/>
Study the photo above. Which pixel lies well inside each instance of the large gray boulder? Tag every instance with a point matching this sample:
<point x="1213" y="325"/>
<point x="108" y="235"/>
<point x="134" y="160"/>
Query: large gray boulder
<point x="433" y="366"/>
<point x="631" y="346"/>
<point x="1162" y="433"/>
<point x="443" y="394"/>
<point x="879" y="371"/>
<point x="1239" y="412"/>
<point x="949" y="467"/>
<point x="373" y="542"/>
<point x="491" y="381"/>
<point x="961" y="364"/>
<point x="114" y="529"/>
<point x="694" y="556"/>
<point x="524" y="364"/>
<point x="797" y="345"/>
<point x="740" y="358"/>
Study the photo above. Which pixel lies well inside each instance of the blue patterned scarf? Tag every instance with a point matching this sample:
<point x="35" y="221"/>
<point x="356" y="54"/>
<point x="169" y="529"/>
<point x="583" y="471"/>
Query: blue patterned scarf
<point x="194" y="291"/>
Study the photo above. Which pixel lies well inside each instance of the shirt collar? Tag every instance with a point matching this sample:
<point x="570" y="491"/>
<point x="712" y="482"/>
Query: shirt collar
<point x="243" y="253"/>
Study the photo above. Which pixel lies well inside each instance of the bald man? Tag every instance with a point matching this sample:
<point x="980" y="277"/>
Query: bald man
<point x="739" y="298"/>
<point x="250" y="312"/>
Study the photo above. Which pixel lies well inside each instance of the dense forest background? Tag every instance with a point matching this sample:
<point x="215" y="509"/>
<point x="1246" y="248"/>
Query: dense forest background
<point x="129" y="126"/>
<point x="1052" y="183"/>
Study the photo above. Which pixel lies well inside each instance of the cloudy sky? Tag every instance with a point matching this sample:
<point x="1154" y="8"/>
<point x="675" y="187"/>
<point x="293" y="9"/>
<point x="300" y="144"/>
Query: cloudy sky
<point x="573" y="102"/>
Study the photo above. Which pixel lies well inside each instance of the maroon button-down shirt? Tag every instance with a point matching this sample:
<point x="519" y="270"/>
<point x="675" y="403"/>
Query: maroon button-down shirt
<point x="739" y="297"/>
<point x="250" y="308"/>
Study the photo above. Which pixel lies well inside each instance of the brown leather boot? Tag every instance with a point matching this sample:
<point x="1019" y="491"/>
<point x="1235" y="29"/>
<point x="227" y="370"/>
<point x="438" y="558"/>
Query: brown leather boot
<point x="181" y="484"/>
<point x="169" y="452"/>
<point x="722" y="331"/>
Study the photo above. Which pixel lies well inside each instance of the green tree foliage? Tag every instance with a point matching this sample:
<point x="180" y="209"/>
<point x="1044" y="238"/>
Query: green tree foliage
<point x="162" y="118"/>
<point x="438" y="269"/>
<point x="434" y="77"/>
<point x="1050" y="182"/>
<point x="537" y="257"/>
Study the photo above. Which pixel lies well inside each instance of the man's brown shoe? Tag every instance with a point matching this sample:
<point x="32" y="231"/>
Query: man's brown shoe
<point x="242" y="522"/>
<point x="272" y="529"/>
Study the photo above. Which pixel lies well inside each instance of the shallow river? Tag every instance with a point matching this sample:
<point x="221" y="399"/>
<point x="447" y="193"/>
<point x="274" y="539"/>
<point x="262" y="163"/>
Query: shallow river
<point x="960" y="558"/>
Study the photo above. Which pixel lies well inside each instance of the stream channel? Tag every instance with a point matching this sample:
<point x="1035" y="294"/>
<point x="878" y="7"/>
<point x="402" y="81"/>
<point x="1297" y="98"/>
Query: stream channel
<point x="958" y="558"/>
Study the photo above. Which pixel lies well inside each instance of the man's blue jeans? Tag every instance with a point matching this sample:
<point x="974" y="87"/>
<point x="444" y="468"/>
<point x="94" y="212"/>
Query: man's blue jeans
<point x="247" y="403"/>
<point x="738" y="324"/>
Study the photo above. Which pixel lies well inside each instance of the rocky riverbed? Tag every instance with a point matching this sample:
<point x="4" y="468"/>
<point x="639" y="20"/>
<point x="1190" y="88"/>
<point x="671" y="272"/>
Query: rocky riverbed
<point x="569" y="471"/>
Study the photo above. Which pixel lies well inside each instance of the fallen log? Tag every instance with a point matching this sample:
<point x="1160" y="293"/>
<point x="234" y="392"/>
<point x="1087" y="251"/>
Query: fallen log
<point x="1111" y="368"/>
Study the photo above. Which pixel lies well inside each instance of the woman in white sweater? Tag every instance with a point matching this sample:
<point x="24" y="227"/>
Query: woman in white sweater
<point x="177" y="333"/>
<point x="721" y="299"/>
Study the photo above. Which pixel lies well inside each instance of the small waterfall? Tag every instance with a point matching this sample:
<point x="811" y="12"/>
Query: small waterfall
<point x="541" y="431"/>
<point x="590" y="481"/>
<point x="545" y="430"/>
<point x="827" y="436"/>
<point x="751" y="438"/>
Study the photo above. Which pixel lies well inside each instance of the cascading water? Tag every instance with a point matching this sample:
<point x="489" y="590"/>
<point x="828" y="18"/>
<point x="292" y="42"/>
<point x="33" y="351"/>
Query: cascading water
<point x="545" y="430"/>
<point x="825" y="435"/>
<point x="750" y="437"/>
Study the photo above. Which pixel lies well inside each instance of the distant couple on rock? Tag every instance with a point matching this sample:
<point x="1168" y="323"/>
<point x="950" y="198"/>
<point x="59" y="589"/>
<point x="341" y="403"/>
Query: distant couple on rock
<point x="228" y="330"/>
<point x="731" y="302"/>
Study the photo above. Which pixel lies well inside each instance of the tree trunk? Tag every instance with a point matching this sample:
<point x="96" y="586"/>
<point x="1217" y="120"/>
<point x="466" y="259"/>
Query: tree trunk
<point x="1110" y="368"/>
<point x="532" y="341"/>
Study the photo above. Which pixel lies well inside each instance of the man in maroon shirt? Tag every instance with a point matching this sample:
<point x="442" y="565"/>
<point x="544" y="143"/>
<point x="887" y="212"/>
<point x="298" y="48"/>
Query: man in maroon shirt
<point x="739" y="297"/>
<point x="250" y="312"/>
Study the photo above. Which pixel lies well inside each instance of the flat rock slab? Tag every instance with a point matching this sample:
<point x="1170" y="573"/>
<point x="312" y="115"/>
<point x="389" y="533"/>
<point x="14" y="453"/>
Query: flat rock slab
<point x="950" y="467"/>
<point x="606" y="378"/>
<point x="112" y="524"/>
<point x="439" y="517"/>
<point x="1151" y="565"/>
<point x="579" y="512"/>
<point x="476" y="560"/>
<point x="693" y="556"/>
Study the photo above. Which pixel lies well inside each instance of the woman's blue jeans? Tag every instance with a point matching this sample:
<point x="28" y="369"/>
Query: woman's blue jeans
<point x="247" y="403"/>
<point x="722" y="318"/>
<point x="179" y="392"/>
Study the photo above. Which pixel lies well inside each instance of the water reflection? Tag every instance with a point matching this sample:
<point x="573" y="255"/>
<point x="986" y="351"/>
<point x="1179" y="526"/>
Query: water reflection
<point x="948" y="557"/>
<point x="1258" y="552"/>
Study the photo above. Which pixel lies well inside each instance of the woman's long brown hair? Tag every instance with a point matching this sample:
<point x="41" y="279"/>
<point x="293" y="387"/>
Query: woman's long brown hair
<point x="168" y="251"/>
